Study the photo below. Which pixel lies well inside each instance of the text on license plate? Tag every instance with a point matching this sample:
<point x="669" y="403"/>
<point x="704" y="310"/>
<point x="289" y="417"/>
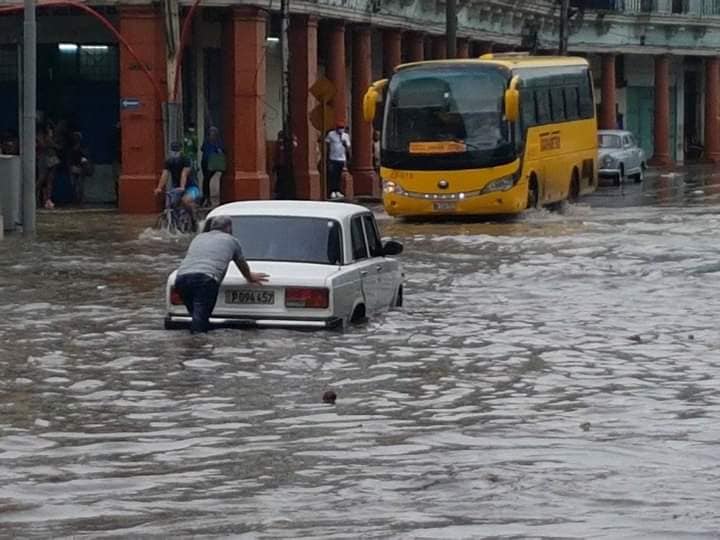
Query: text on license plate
<point x="249" y="296"/>
<point x="444" y="206"/>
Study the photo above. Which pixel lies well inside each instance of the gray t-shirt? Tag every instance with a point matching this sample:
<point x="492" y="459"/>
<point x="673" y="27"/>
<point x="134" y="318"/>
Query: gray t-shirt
<point x="210" y="253"/>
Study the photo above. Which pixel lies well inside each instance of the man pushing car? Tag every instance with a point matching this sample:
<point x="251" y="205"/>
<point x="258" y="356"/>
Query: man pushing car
<point x="203" y="269"/>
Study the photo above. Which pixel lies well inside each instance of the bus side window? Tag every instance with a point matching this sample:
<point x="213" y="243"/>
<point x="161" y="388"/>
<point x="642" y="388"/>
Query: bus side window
<point x="527" y="104"/>
<point x="587" y="107"/>
<point x="542" y="102"/>
<point x="572" y="107"/>
<point x="557" y="104"/>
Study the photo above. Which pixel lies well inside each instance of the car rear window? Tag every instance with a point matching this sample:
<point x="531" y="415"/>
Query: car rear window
<point x="291" y="239"/>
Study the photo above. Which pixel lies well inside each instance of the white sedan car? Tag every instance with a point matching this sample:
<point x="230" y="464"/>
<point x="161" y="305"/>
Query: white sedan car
<point x="620" y="156"/>
<point x="326" y="262"/>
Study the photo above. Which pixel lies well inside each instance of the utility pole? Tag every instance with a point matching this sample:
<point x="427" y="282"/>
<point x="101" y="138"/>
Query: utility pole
<point x="451" y="27"/>
<point x="564" y="26"/>
<point x="29" y="117"/>
<point x="288" y="139"/>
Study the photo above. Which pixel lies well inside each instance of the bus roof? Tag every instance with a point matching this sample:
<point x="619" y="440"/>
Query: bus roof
<point x="508" y="60"/>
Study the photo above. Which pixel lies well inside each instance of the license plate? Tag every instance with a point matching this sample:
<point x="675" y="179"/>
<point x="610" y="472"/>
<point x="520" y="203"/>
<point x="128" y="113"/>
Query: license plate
<point x="249" y="296"/>
<point x="444" y="206"/>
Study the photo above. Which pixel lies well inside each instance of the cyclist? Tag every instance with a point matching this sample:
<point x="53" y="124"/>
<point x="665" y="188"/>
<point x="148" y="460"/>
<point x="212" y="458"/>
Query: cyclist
<point x="177" y="178"/>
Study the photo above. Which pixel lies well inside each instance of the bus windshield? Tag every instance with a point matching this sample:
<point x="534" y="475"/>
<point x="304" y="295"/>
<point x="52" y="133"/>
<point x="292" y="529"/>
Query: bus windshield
<point x="461" y="105"/>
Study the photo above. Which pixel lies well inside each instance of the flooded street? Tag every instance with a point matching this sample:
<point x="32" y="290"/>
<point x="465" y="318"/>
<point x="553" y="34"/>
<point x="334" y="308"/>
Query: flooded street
<point x="553" y="376"/>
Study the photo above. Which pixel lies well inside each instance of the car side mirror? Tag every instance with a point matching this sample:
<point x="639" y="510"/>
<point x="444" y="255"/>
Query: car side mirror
<point x="391" y="247"/>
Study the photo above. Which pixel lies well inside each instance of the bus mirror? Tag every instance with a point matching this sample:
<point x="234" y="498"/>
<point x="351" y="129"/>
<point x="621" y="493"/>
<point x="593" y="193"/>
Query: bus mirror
<point x="512" y="104"/>
<point x="370" y="104"/>
<point x="371" y="99"/>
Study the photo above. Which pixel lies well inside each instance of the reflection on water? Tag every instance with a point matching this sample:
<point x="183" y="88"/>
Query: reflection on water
<point x="550" y="377"/>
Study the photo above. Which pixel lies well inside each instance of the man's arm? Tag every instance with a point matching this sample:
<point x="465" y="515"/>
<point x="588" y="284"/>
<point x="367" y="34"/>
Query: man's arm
<point x="252" y="277"/>
<point x="163" y="182"/>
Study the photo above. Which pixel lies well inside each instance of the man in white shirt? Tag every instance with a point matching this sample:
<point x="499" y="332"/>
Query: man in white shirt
<point x="338" y="152"/>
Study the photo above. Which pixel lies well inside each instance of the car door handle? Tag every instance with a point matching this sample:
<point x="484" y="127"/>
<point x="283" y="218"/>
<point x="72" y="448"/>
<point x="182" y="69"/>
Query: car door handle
<point x="379" y="268"/>
<point x="363" y="273"/>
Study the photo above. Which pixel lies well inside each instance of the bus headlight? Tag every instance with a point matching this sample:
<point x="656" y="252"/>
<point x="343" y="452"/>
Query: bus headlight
<point x="391" y="187"/>
<point x="501" y="184"/>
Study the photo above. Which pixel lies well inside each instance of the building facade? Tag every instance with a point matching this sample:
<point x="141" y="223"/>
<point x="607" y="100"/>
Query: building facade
<point x="110" y="69"/>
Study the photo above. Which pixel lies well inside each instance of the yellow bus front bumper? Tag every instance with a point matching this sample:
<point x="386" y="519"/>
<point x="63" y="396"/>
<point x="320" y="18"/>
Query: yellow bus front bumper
<point x="512" y="201"/>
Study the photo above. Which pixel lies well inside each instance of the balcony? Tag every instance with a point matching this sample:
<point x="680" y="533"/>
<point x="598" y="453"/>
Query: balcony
<point x="688" y="8"/>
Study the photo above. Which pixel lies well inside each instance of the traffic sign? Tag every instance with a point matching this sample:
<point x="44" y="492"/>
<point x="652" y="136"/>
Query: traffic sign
<point x="323" y="90"/>
<point x="316" y="118"/>
<point x="129" y="104"/>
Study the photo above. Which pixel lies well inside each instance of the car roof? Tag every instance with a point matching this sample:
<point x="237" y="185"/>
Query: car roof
<point x="319" y="209"/>
<point x="614" y="132"/>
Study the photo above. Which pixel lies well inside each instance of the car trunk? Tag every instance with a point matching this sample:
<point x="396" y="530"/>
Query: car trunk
<point x="291" y="290"/>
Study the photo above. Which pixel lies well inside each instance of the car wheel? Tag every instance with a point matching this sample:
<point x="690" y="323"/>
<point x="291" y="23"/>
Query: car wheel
<point x="399" y="297"/>
<point x="620" y="178"/>
<point x="359" y="316"/>
<point x="639" y="176"/>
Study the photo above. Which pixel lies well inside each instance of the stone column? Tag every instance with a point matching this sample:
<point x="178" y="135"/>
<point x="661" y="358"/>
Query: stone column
<point x="439" y="48"/>
<point x="143" y="149"/>
<point x="392" y="51"/>
<point x="661" y="156"/>
<point x="336" y="69"/>
<point x="712" y="109"/>
<point x="415" y="47"/>
<point x="303" y="73"/>
<point x="608" y="118"/>
<point x="244" y="106"/>
<point x="365" y="181"/>
<point x="463" y="48"/>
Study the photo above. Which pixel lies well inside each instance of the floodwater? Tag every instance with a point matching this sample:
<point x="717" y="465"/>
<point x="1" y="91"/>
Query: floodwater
<point x="554" y="376"/>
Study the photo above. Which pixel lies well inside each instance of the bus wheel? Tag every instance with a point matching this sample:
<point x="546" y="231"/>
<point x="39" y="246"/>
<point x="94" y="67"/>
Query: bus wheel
<point x="574" y="193"/>
<point x="533" y="197"/>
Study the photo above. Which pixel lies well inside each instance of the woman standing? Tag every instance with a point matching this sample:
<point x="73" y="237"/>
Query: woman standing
<point x="47" y="164"/>
<point x="213" y="163"/>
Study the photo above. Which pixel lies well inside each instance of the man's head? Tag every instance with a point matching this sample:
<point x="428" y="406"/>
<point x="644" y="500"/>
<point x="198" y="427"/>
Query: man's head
<point x="221" y="223"/>
<point x="214" y="134"/>
<point x="175" y="149"/>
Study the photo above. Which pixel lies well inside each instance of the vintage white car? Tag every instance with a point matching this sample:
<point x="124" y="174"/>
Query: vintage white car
<point x="620" y="156"/>
<point x="327" y="265"/>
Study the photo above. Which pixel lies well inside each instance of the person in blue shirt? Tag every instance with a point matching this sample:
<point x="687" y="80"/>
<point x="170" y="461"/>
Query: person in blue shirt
<point x="212" y="162"/>
<point x="177" y="179"/>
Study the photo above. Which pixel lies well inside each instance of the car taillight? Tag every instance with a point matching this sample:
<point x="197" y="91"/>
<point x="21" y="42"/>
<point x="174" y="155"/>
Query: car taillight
<point x="306" y="297"/>
<point x="175" y="298"/>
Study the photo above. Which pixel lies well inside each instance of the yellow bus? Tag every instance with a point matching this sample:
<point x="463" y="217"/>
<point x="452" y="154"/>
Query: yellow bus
<point x="493" y="135"/>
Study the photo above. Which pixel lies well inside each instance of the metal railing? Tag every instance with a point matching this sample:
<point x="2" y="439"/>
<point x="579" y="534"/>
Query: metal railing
<point x="691" y="8"/>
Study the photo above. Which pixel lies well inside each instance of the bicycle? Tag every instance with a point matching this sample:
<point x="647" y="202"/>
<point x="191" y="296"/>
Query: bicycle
<point x="176" y="218"/>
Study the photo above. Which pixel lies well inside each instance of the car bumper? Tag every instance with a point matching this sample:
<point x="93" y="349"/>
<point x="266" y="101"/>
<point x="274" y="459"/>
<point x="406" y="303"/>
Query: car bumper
<point x="608" y="172"/>
<point x="256" y="322"/>
<point x="512" y="201"/>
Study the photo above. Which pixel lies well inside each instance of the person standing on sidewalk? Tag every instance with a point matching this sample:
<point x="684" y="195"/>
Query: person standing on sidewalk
<point x="202" y="270"/>
<point x="338" y="152"/>
<point x="213" y="163"/>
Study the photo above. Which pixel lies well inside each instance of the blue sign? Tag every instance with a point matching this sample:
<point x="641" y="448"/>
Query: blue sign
<point x="129" y="104"/>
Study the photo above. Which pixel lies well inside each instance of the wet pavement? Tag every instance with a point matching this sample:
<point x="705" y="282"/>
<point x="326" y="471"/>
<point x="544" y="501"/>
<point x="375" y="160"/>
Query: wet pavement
<point x="553" y="376"/>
